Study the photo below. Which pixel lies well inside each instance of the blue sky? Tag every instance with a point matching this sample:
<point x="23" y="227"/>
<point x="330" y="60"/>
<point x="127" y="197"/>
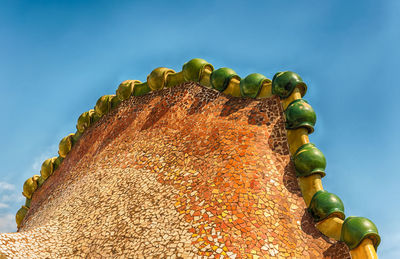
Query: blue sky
<point x="58" y="57"/>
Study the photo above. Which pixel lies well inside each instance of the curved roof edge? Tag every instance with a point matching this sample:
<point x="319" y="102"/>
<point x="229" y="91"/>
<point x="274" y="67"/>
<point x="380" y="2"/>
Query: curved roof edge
<point x="360" y="234"/>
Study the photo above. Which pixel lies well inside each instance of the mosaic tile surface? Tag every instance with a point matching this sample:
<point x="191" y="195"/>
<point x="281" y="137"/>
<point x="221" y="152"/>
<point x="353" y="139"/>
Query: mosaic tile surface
<point x="184" y="172"/>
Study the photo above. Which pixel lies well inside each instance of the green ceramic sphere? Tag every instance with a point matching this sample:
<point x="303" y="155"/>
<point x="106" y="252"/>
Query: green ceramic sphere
<point x="21" y="215"/>
<point x="324" y="204"/>
<point x="356" y="229"/>
<point x="103" y="104"/>
<point x="83" y="122"/>
<point x="125" y="89"/>
<point x="29" y="187"/>
<point x="251" y="85"/>
<point x="220" y="78"/>
<point x="283" y="84"/>
<point x="300" y="114"/>
<point x="86" y="120"/>
<point x="309" y="160"/>
<point x="47" y="168"/>
<point x="193" y="69"/>
<point x="158" y="78"/>
<point x="65" y="145"/>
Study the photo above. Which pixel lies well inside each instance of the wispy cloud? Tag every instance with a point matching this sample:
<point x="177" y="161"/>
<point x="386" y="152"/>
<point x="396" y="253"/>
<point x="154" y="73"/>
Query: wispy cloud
<point x="6" y="186"/>
<point x="9" y="198"/>
<point x="12" y="197"/>
<point x="7" y="223"/>
<point x="9" y="194"/>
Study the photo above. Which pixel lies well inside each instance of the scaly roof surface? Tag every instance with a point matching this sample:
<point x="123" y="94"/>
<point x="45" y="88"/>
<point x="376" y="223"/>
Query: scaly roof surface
<point x="327" y="210"/>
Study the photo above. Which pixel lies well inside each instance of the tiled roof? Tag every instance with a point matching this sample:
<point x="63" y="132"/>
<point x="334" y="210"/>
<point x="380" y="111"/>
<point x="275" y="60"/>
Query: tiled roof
<point x="360" y="234"/>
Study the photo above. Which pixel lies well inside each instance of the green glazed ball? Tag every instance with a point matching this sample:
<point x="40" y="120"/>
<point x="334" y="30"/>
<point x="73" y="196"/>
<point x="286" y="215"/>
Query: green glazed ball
<point x="220" y="78"/>
<point x="125" y="89"/>
<point x="21" y="215"/>
<point x="83" y="122"/>
<point x="324" y="204"/>
<point x="29" y="187"/>
<point x="86" y="119"/>
<point x="193" y="69"/>
<point x="47" y="168"/>
<point x="356" y="229"/>
<point x="309" y="160"/>
<point x="300" y="114"/>
<point x="158" y="78"/>
<point x="283" y="84"/>
<point x="251" y="85"/>
<point x="65" y="145"/>
<point x="103" y="105"/>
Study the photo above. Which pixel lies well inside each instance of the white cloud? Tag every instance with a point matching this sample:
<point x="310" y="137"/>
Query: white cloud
<point x="13" y="197"/>
<point x="4" y="186"/>
<point x="3" y="205"/>
<point x="7" y="223"/>
<point x="9" y="196"/>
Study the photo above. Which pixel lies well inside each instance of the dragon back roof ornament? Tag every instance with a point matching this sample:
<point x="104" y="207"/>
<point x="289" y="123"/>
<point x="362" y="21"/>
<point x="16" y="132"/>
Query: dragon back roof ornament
<point x="359" y="234"/>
